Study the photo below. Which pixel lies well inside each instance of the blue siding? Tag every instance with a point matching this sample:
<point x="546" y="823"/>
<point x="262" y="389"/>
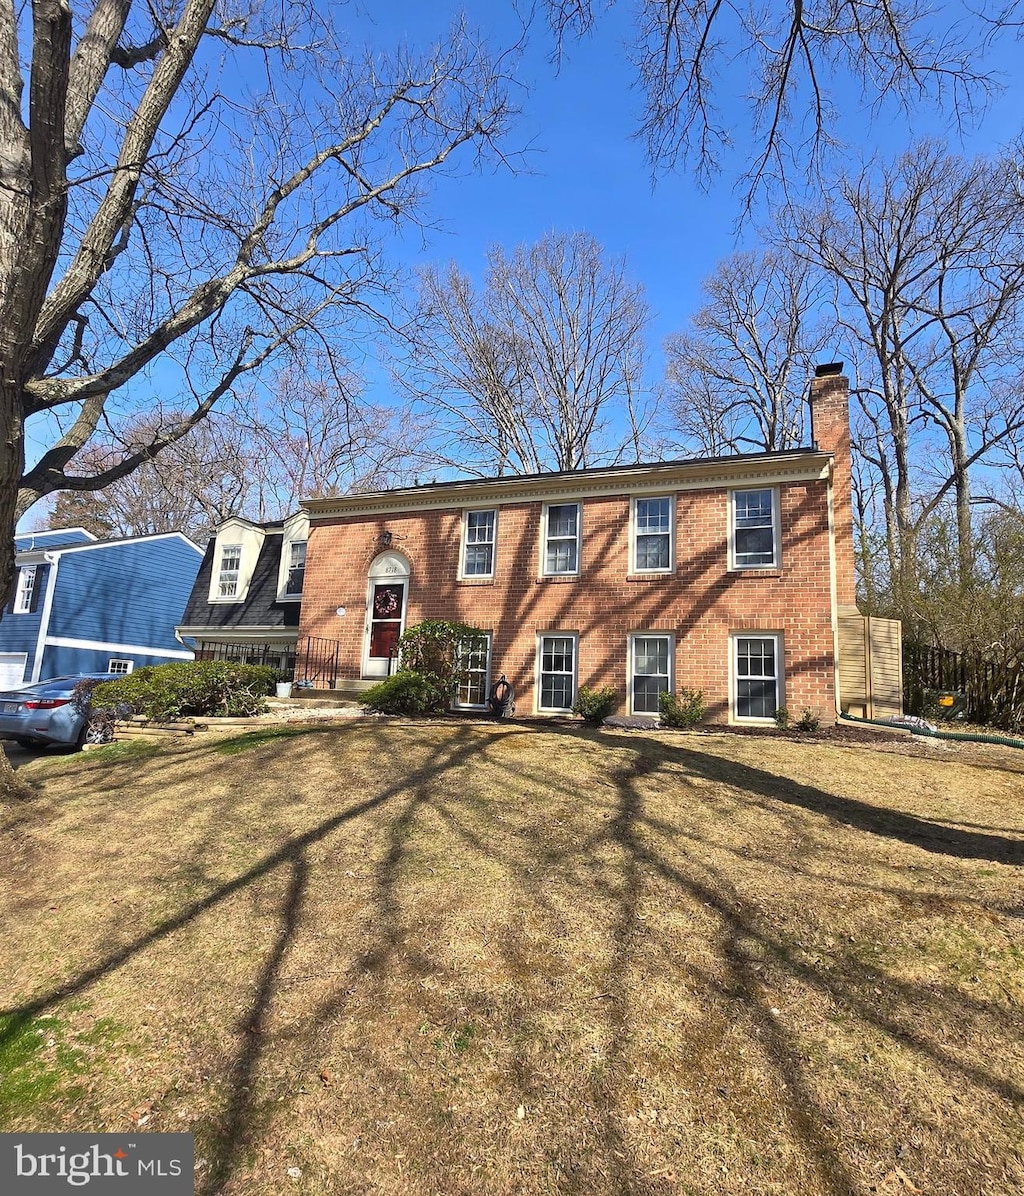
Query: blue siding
<point x="129" y="592"/>
<point x="47" y="541"/>
<point x="62" y="662"/>
<point x="20" y="633"/>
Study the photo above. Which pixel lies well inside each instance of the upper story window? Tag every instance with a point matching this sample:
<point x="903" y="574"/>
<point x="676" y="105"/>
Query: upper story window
<point x="230" y="568"/>
<point x="26" y="589"/>
<point x="296" y="568"/>
<point x="653" y="521"/>
<point x="120" y="665"/>
<point x="478" y="543"/>
<point x="755" y="529"/>
<point x="562" y="539"/>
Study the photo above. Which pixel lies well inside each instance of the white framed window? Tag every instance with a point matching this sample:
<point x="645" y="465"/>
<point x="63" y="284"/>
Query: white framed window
<point x="117" y="664"/>
<point x="650" y="670"/>
<point x="754" y="532"/>
<point x="479" y="530"/>
<point x="26" y="589"/>
<point x="296" y="568"/>
<point x="475" y="658"/>
<point x="556" y="673"/>
<point x="757" y="676"/>
<point x="229" y="570"/>
<point x="653" y="528"/>
<point x="561" y="539"/>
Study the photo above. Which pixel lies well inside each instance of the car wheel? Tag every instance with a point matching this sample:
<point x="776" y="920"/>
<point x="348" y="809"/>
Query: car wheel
<point x="97" y="731"/>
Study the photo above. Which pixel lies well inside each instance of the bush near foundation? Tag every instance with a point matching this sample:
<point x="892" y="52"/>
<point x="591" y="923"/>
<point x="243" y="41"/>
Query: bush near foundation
<point x="199" y="687"/>
<point x="594" y="705"/>
<point x="433" y="656"/>
<point x="406" y="693"/>
<point x="685" y="709"/>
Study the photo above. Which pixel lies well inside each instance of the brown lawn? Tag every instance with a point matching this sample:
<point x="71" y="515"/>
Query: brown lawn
<point x="454" y="958"/>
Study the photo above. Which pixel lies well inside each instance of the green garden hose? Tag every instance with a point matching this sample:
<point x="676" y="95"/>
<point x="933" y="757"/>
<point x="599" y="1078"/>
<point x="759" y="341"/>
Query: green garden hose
<point x="962" y="736"/>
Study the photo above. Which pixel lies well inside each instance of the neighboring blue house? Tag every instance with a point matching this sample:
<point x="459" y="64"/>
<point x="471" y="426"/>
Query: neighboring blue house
<point x="83" y="605"/>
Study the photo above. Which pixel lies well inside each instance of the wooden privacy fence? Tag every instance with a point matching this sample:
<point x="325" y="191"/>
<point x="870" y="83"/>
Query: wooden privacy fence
<point x="994" y="688"/>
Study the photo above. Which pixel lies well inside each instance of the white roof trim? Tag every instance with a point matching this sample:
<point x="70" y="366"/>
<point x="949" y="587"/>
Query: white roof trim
<point x="656" y="479"/>
<point x="129" y="540"/>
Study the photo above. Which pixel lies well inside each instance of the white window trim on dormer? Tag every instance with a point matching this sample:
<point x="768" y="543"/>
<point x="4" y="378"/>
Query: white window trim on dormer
<point x="229" y="571"/>
<point x="250" y="536"/>
<point x="296" y="531"/>
<point x="634" y="567"/>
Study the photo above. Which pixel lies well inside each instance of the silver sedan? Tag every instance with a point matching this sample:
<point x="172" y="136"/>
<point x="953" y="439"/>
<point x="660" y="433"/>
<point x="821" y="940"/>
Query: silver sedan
<point x="43" y="714"/>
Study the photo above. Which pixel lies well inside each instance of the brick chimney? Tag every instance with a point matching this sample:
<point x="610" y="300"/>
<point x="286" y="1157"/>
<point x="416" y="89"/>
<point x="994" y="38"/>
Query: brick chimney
<point x="830" y="432"/>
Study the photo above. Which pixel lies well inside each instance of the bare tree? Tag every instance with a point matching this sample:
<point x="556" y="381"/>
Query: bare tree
<point x="262" y="454"/>
<point x="190" y="486"/>
<point x="735" y="380"/>
<point x="168" y="221"/>
<point x="315" y="438"/>
<point x="529" y="373"/>
<point x="789" y="56"/>
<point x="927" y="257"/>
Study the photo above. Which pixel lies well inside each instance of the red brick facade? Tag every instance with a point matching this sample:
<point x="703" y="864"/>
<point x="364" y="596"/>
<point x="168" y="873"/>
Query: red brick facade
<point x="703" y="603"/>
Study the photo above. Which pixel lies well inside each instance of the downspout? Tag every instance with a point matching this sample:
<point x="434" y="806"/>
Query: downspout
<point x="53" y="560"/>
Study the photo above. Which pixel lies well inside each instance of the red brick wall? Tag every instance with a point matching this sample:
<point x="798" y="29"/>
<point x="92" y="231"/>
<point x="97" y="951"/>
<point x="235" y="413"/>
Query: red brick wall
<point x="830" y="430"/>
<point x="701" y="604"/>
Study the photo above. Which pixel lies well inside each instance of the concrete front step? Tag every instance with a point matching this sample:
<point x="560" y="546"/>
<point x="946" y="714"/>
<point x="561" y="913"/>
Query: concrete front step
<point x="305" y="698"/>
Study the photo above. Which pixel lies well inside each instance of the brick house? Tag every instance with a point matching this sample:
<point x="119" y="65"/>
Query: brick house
<point x="728" y="575"/>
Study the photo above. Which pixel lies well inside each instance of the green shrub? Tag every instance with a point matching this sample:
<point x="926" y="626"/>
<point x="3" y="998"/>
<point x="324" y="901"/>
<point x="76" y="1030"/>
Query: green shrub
<point x="684" y="709"/>
<point x="199" y="687"/>
<point x="432" y="655"/>
<point x="407" y="693"/>
<point x="808" y="721"/>
<point x="782" y="718"/>
<point x="435" y="649"/>
<point x="594" y="705"/>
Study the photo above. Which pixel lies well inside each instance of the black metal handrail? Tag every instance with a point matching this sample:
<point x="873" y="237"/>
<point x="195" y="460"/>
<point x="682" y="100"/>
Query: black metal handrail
<point x="316" y="661"/>
<point x="311" y="660"/>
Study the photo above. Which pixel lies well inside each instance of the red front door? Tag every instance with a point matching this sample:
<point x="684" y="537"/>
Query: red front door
<point x="386" y="611"/>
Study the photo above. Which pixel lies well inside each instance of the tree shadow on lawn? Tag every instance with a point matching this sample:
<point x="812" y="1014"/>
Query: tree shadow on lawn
<point x="638" y="844"/>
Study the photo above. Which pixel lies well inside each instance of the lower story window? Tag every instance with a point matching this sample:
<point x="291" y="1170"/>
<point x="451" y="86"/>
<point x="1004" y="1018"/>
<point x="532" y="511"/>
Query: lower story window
<point x="475" y="659"/>
<point x="651" y="667"/>
<point x="117" y="665"/>
<point x="758" y="674"/>
<point x="557" y="673"/>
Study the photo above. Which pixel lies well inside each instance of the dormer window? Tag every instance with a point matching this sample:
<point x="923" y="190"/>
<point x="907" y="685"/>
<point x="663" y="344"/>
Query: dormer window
<point x="230" y="569"/>
<point x="296" y="568"/>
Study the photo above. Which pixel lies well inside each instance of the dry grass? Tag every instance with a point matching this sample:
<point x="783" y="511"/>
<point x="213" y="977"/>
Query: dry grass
<point x="499" y="959"/>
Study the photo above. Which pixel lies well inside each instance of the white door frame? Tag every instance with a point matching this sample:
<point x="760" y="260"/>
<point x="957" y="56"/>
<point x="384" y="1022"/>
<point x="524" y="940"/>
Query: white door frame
<point x="389" y="568"/>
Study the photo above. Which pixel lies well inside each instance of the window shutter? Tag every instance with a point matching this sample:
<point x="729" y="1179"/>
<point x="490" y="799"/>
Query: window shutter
<point x="37" y="589"/>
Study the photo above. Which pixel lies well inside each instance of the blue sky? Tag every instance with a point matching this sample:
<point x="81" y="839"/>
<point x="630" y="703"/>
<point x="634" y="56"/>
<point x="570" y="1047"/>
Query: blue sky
<point x="581" y="168"/>
<point x="584" y="169"/>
